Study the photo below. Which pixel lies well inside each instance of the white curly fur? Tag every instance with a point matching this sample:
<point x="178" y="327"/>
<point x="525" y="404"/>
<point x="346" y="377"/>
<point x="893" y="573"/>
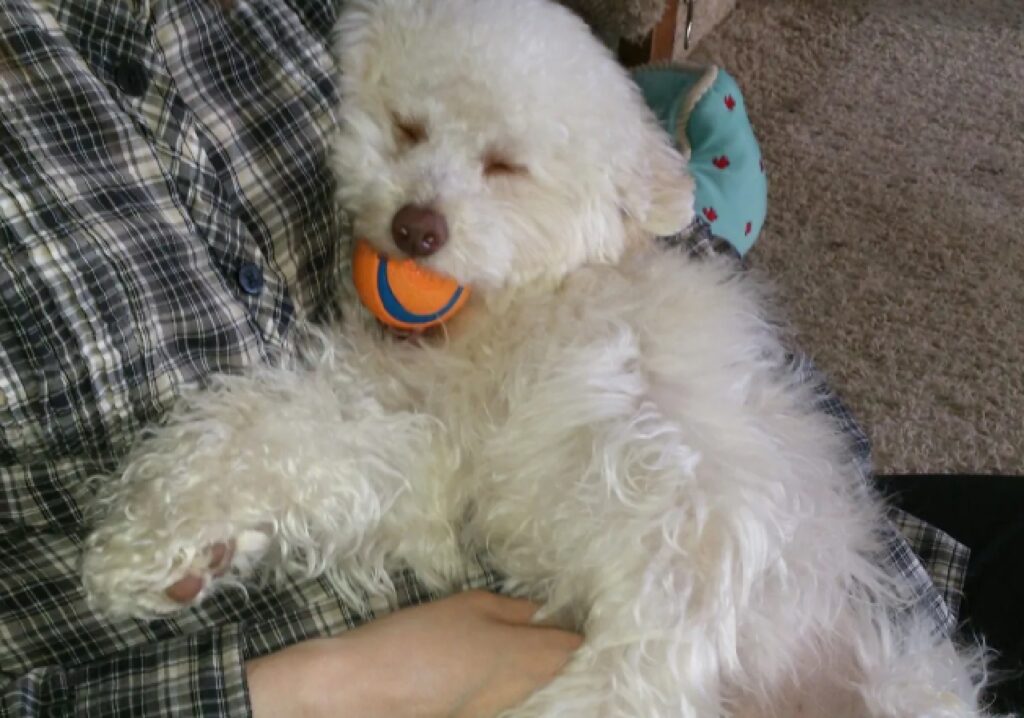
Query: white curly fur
<point x="616" y="427"/>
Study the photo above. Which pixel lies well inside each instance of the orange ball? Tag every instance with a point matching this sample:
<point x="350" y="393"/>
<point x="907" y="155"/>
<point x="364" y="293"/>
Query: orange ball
<point x="403" y="294"/>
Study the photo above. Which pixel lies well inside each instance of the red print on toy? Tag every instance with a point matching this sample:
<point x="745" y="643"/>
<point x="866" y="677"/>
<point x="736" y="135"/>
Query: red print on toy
<point x="730" y="102"/>
<point x="710" y="213"/>
<point x="748" y="228"/>
<point x="720" y="162"/>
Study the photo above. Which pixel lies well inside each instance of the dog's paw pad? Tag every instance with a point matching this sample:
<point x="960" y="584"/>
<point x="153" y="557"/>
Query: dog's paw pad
<point x="119" y="582"/>
<point x="207" y="567"/>
<point x="237" y="557"/>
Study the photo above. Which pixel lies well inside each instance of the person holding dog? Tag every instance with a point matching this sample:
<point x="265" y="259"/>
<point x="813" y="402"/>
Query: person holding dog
<point x="166" y="213"/>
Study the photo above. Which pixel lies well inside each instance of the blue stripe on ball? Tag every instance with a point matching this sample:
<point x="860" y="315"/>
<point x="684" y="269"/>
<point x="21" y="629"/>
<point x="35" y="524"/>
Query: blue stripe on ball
<point x="394" y="308"/>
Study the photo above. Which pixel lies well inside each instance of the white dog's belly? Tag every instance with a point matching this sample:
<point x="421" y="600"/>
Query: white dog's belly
<point x="638" y="400"/>
<point x="638" y="457"/>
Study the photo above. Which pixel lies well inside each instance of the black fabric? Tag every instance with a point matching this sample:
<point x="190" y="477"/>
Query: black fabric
<point x="986" y="513"/>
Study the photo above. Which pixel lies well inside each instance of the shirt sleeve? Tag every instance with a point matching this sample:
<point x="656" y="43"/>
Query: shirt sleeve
<point x="199" y="675"/>
<point x="59" y="657"/>
<point x="148" y="155"/>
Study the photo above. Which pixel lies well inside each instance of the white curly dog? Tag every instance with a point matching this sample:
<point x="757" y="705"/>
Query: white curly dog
<point x="614" y="425"/>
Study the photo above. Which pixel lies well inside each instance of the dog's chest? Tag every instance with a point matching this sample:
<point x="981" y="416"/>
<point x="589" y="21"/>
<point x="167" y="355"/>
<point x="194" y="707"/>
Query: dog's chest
<point x="545" y="371"/>
<point x="543" y="365"/>
<point x="546" y="402"/>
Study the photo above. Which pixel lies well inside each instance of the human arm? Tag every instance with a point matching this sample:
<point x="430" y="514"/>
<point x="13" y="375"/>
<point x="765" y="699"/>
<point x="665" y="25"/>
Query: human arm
<point x="468" y="656"/>
<point x="197" y="675"/>
<point x="58" y="658"/>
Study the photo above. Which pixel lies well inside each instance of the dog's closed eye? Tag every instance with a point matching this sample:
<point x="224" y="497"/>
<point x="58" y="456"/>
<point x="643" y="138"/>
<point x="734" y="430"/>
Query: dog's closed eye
<point x="498" y="165"/>
<point x="409" y="132"/>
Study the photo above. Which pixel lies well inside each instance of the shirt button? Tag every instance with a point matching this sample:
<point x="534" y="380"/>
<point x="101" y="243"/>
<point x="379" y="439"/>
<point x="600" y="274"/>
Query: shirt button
<point x="250" y="276"/>
<point x="131" y="77"/>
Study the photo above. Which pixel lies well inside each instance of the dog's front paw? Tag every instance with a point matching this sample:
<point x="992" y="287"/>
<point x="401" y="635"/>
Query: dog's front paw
<point x="127" y="572"/>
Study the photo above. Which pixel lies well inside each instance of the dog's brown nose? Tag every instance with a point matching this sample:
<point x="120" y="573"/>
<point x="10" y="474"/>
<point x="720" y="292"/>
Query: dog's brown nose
<point x="419" y="231"/>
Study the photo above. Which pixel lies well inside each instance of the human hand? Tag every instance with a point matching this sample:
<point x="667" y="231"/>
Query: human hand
<point x="471" y="655"/>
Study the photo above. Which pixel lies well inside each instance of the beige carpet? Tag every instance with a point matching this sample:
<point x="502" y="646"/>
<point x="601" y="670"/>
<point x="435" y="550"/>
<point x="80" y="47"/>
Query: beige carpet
<point x="893" y="132"/>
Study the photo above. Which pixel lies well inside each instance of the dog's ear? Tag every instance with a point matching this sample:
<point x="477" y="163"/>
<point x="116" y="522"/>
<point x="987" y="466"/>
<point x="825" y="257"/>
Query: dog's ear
<point x="656" y="193"/>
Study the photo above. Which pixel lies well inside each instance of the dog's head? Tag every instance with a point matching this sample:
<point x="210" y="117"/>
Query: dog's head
<point x="497" y="140"/>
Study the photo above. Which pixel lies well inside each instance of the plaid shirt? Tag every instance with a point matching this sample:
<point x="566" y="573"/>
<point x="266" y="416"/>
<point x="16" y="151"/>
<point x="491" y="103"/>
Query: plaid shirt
<point x="165" y="213"/>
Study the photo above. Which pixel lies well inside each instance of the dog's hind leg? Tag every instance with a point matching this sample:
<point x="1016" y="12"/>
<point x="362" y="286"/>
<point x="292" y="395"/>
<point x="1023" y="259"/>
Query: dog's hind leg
<point x="634" y="664"/>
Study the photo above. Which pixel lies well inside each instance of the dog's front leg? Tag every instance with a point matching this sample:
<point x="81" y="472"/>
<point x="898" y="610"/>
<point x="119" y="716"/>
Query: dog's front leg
<point x="304" y="471"/>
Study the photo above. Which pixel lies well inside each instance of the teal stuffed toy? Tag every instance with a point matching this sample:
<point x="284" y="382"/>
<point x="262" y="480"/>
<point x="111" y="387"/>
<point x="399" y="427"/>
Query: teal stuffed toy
<point x="703" y="110"/>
